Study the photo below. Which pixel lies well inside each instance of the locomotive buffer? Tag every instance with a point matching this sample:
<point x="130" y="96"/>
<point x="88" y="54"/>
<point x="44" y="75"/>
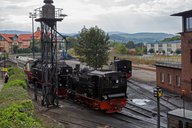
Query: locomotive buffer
<point x="48" y="18"/>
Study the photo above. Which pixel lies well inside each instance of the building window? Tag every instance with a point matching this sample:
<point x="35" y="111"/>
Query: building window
<point x="1" y="38"/>
<point x="180" y="124"/>
<point x="169" y="78"/>
<point x="191" y="55"/>
<point x="191" y="84"/>
<point x="162" y="77"/>
<point x="169" y="45"/>
<point x="178" y="81"/>
<point x="189" y="24"/>
<point x="169" y="49"/>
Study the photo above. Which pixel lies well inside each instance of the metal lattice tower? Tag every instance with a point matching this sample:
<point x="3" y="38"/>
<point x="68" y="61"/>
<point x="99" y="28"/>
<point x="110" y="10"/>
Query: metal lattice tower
<point x="48" y="16"/>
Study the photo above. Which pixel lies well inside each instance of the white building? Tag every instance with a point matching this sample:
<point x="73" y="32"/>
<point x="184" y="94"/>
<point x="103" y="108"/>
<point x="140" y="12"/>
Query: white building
<point x="166" y="47"/>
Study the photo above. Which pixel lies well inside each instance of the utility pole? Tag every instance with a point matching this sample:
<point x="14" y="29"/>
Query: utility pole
<point x="183" y="96"/>
<point x="32" y="16"/>
<point x="158" y="93"/>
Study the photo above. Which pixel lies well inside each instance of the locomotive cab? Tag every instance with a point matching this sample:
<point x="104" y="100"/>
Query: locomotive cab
<point x="109" y="84"/>
<point x="122" y="66"/>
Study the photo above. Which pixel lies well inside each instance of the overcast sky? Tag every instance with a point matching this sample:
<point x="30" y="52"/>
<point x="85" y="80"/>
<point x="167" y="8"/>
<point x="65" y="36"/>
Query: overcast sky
<point x="129" y="16"/>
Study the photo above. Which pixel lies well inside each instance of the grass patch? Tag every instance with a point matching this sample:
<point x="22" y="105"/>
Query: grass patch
<point x="16" y="108"/>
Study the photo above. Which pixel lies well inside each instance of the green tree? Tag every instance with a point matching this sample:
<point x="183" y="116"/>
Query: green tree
<point x="140" y="48"/>
<point x="163" y="52"/>
<point x="151" y="50"/>
<point x="120" y="48"/>
<point x="144" y="50"/>
<point x="71" y="42"/>
<point x="24" y="50"/>
<point x="112" y="44"/>
<point x="130" y="45"/>
<point x="93" y="47"/>
<point x="172" y="39"/>
<point x="139" y="45"/>
<point x="15" y="48"/>
<point x="37" y="46"/>
<point x="178" y="51"/>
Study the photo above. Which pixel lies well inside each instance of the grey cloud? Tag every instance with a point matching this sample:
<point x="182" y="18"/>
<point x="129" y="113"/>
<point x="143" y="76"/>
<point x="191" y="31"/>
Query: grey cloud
<point x="144" y="15"/>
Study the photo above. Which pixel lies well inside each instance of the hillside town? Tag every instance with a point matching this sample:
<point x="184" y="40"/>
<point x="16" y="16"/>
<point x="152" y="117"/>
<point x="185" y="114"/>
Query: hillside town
<point x="9" y="41"/>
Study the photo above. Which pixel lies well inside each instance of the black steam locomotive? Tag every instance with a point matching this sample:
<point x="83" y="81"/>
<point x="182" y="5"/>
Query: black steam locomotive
<point x="102" y="90"/>
<point x="122" y="66"/>
<point x="64" y="76"/>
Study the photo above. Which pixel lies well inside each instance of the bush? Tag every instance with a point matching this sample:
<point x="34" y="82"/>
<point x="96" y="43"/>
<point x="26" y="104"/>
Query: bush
<point x="16" y="82"/>
<point x="18" y="116"/>
<point x="15" y="71"/>
<point x="17" y="75"/>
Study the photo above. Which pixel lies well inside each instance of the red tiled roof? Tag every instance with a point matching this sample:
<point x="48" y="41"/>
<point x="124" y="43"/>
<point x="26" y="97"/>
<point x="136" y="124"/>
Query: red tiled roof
<point x="6" y="37"/>
<point x="24" y="37"/>
<point x="10" y="35"/>
<point x="27" y="37"/>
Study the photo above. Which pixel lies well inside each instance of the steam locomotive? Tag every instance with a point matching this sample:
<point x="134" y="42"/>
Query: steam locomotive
<point x="100" y="90"/>
<point x="64" y="75"/>
<point x="122" y="66"/>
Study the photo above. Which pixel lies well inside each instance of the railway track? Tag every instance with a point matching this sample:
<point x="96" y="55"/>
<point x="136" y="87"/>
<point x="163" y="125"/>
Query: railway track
<point x="140" y="111"/>
<point x="145" y="114"/>
<point x="131" y="119"/>
<point x="168" y="105"/>
<point x="135" y="121"/>
<point x="57" y="115"/>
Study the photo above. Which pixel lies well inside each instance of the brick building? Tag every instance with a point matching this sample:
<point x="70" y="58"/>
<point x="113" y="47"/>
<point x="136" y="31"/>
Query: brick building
<point x="178" y="77"/>
<point x="169" y="76"/>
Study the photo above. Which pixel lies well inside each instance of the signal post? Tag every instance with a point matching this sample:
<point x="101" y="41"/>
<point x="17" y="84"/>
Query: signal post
<point x="158" y="93"/>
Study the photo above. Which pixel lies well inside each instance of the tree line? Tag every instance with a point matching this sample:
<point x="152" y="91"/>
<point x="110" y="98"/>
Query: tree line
<point x="130" y="48"/>
<point x="93" y="46"/>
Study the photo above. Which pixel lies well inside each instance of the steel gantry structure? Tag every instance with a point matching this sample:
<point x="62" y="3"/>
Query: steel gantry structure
<point x="48" y="16"/>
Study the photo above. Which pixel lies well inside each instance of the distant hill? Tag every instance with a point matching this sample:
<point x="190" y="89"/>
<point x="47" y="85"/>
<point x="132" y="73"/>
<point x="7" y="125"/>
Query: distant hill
<point x="139" y="37"/>
<point x="175" y="38"/>
<point x="14" y="32"/>
<point x="144" y="37"/>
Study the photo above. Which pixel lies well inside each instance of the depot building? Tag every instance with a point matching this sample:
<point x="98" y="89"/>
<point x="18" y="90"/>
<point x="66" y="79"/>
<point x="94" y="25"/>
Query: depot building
<point x="177" y="77"/>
